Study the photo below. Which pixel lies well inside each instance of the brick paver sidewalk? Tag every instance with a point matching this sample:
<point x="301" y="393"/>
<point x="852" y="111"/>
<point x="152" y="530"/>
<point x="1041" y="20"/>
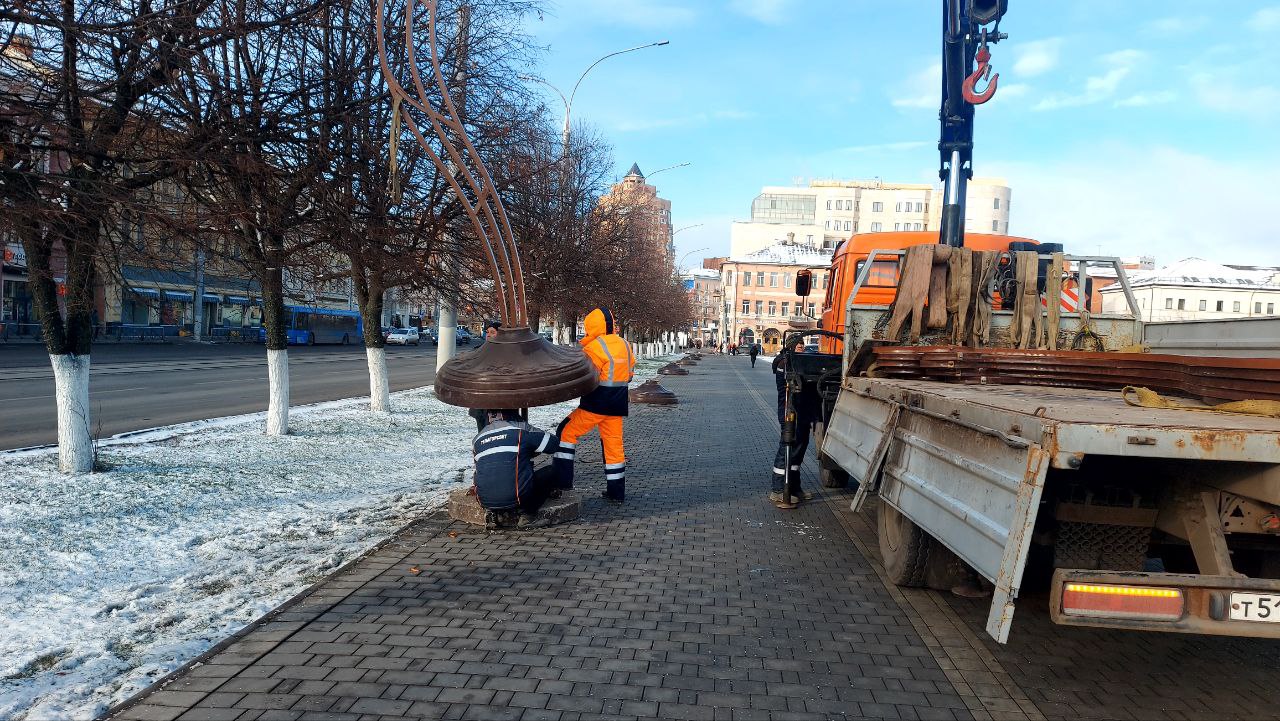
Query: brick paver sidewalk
<point x="695" y="600"/>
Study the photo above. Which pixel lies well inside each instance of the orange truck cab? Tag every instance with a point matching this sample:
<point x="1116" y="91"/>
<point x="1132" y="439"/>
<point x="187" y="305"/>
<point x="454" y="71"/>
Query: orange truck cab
<point x="882" y="281"/>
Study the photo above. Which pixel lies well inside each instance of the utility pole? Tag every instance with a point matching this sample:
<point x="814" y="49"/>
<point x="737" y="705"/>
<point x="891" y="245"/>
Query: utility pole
<point x="198" y="326"/>
<point x="447" y="320"/>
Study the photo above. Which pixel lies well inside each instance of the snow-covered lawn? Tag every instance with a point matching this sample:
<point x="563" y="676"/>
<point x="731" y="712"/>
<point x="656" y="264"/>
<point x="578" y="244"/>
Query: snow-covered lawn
<point x="110" y="580"/>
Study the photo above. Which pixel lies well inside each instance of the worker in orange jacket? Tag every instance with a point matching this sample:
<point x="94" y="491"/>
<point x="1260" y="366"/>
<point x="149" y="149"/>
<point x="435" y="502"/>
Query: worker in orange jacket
<point x="602" y="408"/>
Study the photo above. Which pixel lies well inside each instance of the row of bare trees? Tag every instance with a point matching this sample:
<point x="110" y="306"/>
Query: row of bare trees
<point x="268" y="125"/>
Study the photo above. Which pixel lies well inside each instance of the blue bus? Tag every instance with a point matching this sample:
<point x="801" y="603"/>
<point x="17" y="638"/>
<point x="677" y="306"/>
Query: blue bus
<point x="305" y="325"/>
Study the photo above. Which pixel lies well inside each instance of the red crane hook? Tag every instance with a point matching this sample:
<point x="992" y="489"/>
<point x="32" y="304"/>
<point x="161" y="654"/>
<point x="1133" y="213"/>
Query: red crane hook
<point x="982" y="73"/>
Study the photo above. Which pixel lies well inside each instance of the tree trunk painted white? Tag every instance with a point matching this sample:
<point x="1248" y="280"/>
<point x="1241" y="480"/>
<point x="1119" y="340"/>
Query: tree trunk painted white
<point x="71" y="394"/>
<point x="278" y="383"/>
<point x="379" y="388"/>
<point x="446" y="333"/>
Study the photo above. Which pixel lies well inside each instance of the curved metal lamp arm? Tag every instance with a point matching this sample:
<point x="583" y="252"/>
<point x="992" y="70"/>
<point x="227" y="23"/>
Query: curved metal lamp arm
<point x="463" y="167"/>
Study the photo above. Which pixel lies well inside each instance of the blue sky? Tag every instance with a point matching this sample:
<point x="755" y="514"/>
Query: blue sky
<point x="1123" y="127"/>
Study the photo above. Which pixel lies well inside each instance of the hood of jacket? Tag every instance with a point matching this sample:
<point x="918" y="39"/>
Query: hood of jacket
<point x="598" y="322"/>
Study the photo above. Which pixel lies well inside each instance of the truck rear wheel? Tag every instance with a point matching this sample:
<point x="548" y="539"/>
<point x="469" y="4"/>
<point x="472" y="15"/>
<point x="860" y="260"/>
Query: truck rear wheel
<point x="904" y="547"/>
<point x="829" y="474"/>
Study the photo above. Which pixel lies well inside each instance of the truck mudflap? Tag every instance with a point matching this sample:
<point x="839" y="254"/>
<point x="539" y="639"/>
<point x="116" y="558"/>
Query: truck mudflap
<point x="974" y="489"/>
<point x="1168" y="602"/>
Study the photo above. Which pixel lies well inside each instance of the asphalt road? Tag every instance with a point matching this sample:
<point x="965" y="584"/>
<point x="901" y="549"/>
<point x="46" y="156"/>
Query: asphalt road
<point x="141" y="386"/>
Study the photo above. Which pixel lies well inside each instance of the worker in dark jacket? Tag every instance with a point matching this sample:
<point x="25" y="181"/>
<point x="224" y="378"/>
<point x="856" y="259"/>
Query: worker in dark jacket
<point x="808" y="410"/>
<point x="490" y="332"/>
<point x="602" y="408"/>
<point x="506" y="479"/>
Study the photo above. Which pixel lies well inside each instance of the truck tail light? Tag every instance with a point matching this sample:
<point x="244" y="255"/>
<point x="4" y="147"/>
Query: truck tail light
<point x="1110" y="601"/>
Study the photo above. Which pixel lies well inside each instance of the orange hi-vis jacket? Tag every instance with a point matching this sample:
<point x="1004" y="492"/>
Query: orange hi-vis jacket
<point x="613" y="359"/>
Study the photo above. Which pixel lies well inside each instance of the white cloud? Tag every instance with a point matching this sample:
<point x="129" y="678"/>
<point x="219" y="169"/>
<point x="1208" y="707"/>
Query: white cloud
<point x="1128" y="200"/>
<point x="1265" y="19"/>
<point x="1037" y="57"/>
<point x="1142" y="100"/>
<point x="1097" y="88"/>
<point x="1222" y="94"/>
<point x="1176" y="25"/>
<point x="923" y="89"/>
<point x="769" y="12"/>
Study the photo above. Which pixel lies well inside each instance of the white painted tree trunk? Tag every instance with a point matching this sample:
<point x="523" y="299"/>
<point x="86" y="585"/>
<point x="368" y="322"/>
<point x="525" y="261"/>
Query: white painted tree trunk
<point x="71" y="394"/>
<point x="379" y="388"/>
<point x="278" y="383"/>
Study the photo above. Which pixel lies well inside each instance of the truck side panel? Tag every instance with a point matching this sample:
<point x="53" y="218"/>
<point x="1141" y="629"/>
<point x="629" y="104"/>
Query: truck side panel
<point x="974" y="490"/>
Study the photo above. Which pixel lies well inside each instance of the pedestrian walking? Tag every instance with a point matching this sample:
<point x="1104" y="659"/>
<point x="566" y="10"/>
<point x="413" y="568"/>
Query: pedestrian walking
<point x="602" y="408"/>
<point x="754" y="351"/>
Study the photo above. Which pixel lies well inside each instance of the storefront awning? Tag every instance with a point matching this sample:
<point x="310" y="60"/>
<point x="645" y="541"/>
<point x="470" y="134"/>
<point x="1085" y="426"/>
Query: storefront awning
<point x="211" y="298"/>
<point x="177" y="295"/>
<point x="237" y="300"/>
<point x="148" y="292"/>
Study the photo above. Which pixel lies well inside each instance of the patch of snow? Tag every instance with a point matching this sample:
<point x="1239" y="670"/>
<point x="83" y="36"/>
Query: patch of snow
<point x="110" y="580"/>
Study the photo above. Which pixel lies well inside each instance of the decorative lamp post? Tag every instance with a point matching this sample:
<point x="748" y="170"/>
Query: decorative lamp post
<point x="519" y="368"/>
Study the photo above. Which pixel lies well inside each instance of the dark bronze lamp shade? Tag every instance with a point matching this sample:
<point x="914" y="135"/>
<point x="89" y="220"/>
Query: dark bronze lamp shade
<point x="517" y="369"/>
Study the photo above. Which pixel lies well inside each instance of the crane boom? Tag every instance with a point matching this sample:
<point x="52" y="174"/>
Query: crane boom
<point x="964" y="38"/>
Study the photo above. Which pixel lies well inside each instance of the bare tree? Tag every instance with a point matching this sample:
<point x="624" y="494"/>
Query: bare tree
<point x="81" y="134"/>
<point x="251" y="107"/>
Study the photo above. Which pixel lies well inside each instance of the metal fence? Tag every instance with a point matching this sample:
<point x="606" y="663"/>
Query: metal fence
<point x="247" y="334"/>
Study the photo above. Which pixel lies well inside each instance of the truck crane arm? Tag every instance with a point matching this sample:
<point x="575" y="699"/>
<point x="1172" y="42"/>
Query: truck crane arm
<point x="964" y="40"/>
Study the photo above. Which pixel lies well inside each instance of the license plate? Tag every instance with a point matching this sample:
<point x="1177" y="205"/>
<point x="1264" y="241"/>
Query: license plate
<point x="1255" y="607"/>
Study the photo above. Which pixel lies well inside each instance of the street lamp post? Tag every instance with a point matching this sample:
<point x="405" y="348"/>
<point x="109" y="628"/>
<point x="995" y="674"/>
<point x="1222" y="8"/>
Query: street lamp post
<point x="568" y="101"/>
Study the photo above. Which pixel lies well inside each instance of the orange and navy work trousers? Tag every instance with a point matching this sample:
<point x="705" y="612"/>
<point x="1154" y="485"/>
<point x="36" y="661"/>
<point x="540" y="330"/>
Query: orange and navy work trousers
<point x="578" y="424"/>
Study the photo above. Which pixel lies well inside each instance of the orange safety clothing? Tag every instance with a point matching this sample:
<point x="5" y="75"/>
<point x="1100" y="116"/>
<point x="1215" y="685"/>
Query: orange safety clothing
<point x="614" y="361"/>
<point x="578" y="424"/>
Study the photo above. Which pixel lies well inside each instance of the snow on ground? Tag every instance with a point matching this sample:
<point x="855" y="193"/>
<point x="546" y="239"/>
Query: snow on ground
<point x="110" y="580"/>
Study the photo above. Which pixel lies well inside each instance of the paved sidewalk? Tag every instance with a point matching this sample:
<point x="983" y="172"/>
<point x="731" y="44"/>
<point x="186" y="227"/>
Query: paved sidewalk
<point x="695" y="600"/>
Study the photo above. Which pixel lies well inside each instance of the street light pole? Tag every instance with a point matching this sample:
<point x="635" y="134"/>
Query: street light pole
<point x="568" y="101"/>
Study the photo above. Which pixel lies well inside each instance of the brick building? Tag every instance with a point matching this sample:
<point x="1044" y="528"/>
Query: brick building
<point x="759" y="291"/>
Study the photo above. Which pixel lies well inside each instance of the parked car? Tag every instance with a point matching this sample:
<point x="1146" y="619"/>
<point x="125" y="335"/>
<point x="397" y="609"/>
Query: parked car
<point x="403" y="336"/>
<point x="464" y="336"/>
<point x="430" y="334"/>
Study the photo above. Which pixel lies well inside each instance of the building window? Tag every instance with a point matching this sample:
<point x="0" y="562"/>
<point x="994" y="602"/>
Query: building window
<point x="810" y="237"/>
<point x="773" y="308"/>
<point x="997" y="205"/>
<point x="855" y="226"/>
<point x="759" y="307"/>
<point x="786" y="308"/>
<point x="729" y="277"/>
<point x="828" y="205"/>
<point x="875" y="227"/>
<point x="1219" y="306"/>
<point x="746" y="279"/>
<point x="919" y="207"/>
<point x="811" y="309"/>
<point x="760" y="279"/>
<point x="746" y="307"/>
<point x="773" y="280"/>
<point x="877" y="207"/>
<point x="897" y="226"/>
<point x="826" y="225"/>
<point x="1168" y="303"/>
<point x="786" y="280"/>
<point x="917" y="226"/>
<point x="995" y="226"/>
<point x="1235" y="306"/>
<point x="1204" y="305"/>
<point x="848" y="225"/>
<point x="1271" y="308"/>
<point x="1257" y="307"/>
<point x="1182" y="304"/>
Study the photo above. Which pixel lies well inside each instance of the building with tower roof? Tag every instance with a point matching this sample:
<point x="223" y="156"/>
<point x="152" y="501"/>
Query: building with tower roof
<point x="634" y="190"/>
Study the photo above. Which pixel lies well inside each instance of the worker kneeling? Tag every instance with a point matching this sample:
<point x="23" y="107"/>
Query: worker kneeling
<point x="602" y="408"/>
<point x="506" y="479"/>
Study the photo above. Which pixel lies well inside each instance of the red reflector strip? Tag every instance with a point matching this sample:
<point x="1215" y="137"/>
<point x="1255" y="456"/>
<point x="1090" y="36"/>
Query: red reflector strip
<point x="1137" y="602"/>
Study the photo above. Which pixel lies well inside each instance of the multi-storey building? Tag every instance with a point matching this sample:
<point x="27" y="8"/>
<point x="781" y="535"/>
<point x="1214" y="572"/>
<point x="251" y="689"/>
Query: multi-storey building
<point x="759" y="291"/>
<point x="829" y="211"/>
<point x="634" y="192"/>
<point x="706" y="297"/>
<point x="1195" y="289"/>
